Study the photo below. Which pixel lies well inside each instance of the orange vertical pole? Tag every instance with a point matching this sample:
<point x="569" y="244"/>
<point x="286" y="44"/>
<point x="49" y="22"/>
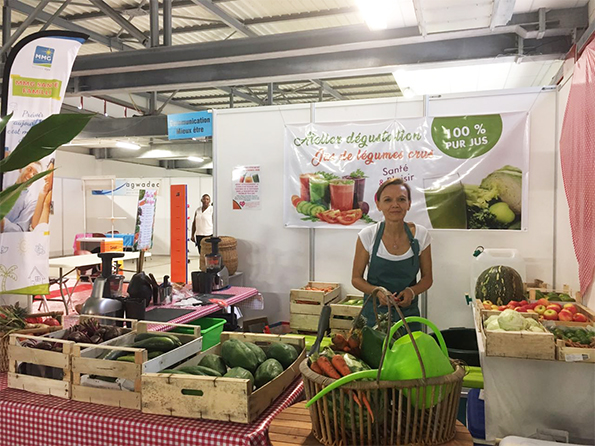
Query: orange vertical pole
<point x="179" y="234"/>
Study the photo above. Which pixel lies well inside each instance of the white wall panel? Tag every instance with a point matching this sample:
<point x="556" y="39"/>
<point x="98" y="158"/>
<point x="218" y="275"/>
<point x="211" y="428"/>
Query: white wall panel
<point x="275" y="259"/>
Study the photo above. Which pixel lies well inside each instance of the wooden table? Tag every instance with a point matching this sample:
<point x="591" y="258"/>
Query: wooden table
<point x="293" y="427"/>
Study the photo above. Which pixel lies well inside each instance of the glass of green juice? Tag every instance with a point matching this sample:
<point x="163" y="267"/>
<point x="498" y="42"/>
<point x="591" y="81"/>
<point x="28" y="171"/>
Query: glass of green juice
<point x="319" y="191"/>
<point x="446" y="202"/>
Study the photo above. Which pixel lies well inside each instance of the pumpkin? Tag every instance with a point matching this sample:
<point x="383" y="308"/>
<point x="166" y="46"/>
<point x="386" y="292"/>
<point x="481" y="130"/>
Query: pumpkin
<point x="499" y="284"/>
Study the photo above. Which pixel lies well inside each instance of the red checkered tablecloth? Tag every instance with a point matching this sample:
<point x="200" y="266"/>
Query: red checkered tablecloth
<point x="27" y="419"/>
<point x="241" y="294"/>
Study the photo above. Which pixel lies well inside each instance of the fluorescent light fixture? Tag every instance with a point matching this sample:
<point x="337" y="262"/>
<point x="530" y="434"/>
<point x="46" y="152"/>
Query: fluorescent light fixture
<point x="449" y="78"/>
<point x="127" y="145"/>
<point x="379" y="14"/>
<point x="196" y="159"/>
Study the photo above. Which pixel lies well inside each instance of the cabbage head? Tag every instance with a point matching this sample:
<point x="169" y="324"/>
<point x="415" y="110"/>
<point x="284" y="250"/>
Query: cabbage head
<point x="529" y="322"/>
<point x="510" y="320"/>
<point x="493" y="325"/>
<point x="490" y="319"/>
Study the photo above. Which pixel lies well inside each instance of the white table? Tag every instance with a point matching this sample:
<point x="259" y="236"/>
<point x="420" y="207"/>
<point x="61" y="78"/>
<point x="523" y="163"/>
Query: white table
<point x="70" y="263"/>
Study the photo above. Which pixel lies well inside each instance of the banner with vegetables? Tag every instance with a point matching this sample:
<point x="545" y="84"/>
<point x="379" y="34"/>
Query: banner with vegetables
<point x="465" y="172"/>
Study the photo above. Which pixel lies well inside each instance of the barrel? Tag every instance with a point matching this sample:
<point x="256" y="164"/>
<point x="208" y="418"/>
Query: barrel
<point x="227" y="249"/>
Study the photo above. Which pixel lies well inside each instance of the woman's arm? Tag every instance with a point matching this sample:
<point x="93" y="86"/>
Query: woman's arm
<point x="360" y="262"/>
<point x="425" y="282"/>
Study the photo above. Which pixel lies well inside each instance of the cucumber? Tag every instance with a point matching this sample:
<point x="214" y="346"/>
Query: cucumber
<point x="115" y="354"/>
<point x="130" y="358"/>
<point x="199" y="370"/>
<point x="307" y="208"/>
<point x="317" y="210"/>
<point x="143" y="336"/>
<point x="161" y="343"/>
<point x="300" y="206"/>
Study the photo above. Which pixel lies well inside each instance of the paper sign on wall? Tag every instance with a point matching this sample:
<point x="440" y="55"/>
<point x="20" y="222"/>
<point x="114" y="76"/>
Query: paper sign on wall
<point x="246" y="187"/>
<point x="465" y="172"/>
<point x="145" y="220"/>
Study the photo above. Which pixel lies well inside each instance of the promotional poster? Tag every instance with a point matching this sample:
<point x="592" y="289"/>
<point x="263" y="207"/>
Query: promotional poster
<point x="465" y="172"/>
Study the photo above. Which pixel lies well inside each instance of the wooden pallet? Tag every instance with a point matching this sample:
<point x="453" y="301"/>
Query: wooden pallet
<point x="305" y="305"/>
<point x="225" y="399"/>
<point x="41" y="360"/>
<point x="86" y="361"/>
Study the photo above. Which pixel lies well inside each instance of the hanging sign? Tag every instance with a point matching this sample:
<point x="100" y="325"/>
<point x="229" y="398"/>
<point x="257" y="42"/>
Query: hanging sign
<point x="190" y="125"/>
<point x="465" y="172"/>
<point x="35" y="77"/>
<point x="246" y="187"/>
<point x="130" y="186"/>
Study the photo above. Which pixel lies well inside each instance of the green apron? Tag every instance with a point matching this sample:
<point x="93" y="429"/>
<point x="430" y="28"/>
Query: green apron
<point x="395" y="276"/>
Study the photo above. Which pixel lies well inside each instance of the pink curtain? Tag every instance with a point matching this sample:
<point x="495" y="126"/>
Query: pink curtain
<point x="577" y="155"/>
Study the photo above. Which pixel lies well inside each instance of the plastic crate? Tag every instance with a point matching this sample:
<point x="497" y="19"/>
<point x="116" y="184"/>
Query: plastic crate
<point x="210" y="330"/>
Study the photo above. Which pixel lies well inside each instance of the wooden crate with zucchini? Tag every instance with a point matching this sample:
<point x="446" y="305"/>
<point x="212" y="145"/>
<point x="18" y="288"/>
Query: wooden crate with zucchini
<point x="110" y="373"/>
<point x="306" y="303"/>
<point x="232" y="381"/>
<point x="42" y="364"/>
<point x="343" y="313"/>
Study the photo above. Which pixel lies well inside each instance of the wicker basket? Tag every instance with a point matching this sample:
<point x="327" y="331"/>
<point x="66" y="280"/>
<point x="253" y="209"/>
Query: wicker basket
<point x="227" y="249"/>
<point x="417" y="411"/>
<point x="4" y="337"/>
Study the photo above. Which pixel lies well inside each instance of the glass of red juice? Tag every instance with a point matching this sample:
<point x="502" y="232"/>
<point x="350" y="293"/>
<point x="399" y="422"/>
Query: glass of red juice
<point x="359" y="188"/>
<point x="342" y="194"/>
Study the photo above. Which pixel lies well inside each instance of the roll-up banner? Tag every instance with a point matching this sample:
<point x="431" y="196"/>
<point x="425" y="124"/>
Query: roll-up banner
<point x="35" y="78"/>
<point x="464" y="172"/>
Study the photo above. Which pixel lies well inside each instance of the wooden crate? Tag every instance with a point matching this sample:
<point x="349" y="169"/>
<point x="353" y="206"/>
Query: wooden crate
<point x="225" y="399"/>
<point x="574" y="354"/>
<point x="342" y="315"/>
<point x="43" y="358"/>
<point x="305" y="305"/>
<point x="86" y="361"/>
<point x="565" y="289"/>
<point x="517" y="344"/>
<point x="129" y="322"/>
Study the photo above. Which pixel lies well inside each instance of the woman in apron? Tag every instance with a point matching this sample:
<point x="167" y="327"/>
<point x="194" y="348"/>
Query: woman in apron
<point x="394" y="252"/>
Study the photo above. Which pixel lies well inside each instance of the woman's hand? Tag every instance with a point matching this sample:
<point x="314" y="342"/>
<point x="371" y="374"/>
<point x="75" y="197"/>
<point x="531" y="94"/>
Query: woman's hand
<point x="405" y="297"/>
<point x="383" y="298"/>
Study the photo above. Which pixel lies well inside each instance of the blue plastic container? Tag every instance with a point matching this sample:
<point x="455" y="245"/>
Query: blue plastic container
<point x="476" y="422"/>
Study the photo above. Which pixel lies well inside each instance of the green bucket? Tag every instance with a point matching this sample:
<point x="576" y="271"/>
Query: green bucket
<point x="210" y="330"/>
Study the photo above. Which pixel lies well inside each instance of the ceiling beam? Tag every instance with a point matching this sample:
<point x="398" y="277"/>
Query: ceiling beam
<point x="318" y="54"/>
<point x="144" y="126"/>
<point x="226" y="18"/>
<point x="121" y="21"/>
<point x="110" y="42"/>
<point x="239" y="94"/>
<point x="328" y="89"/>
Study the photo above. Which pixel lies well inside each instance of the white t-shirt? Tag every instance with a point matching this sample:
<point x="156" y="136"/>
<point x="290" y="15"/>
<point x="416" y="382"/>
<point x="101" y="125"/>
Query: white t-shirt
<point x="203" y="221"/>
<point x="368" y="236"/>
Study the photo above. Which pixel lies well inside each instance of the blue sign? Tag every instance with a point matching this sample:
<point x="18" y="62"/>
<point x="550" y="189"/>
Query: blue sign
<point x="190" y="125"/>
<point x="43" y="56"/>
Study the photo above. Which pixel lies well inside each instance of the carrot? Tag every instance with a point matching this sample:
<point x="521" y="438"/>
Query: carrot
<point x="355" y="398"/>
<point x="339" y="363"/>
<point x="316" y="368"/>
<point x="367" y="404"/>
<point x="339" y="341"/>
<point x="353" y="341"/>
<point x="327" y="368"/>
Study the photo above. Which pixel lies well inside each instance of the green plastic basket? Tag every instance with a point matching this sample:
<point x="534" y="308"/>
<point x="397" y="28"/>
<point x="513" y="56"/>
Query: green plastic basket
<point x="210" y="330"/>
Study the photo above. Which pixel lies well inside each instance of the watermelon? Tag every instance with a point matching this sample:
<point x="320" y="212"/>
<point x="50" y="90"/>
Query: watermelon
<point x="499" y="284"/>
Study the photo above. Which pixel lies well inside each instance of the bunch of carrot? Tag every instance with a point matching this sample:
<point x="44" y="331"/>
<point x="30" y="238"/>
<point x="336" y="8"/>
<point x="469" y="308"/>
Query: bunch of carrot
<point x="335" y="367"/>
<point x="347" y="345"/>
